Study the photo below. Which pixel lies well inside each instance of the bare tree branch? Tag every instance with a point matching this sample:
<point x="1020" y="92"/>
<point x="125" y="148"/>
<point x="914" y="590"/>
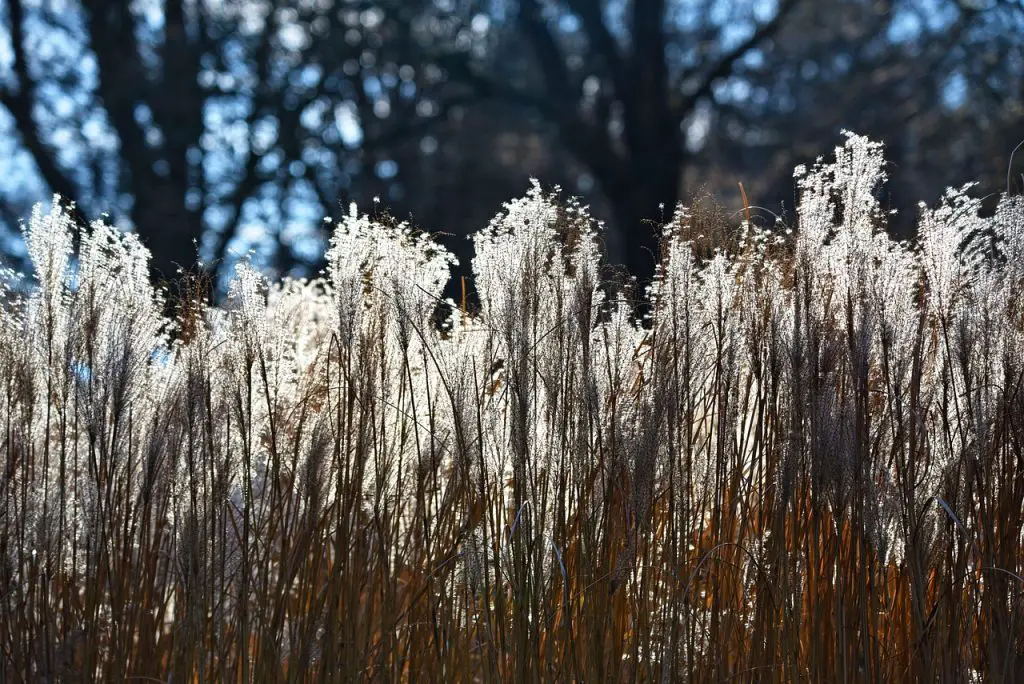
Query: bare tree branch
<point x="601" y="39"/>
<point x="586" y="141"/>
<point x="724" y="67"/>
<point x="121" y="80"/>
<point x="461" y="71"/>
<point x="20" y="104"/>
<point x="249" y="181"/>
<point x="553" y="70"/>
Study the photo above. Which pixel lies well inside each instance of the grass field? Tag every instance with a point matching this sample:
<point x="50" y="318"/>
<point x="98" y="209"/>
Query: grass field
<point x="804" y="463"/>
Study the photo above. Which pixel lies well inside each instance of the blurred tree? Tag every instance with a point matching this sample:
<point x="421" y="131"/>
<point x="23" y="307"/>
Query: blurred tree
<point x="942" y="84"/>
<point x="191" y="120"/>
<point x="655" y="99"/>
<point x="239" y="124"/>
<point x="620" y="83"/>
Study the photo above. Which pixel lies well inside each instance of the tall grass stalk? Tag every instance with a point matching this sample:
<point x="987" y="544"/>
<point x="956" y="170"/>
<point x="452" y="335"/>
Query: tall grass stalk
<point x="805" y="463"/>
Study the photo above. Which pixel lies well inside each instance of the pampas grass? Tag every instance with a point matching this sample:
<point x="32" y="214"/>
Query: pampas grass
<point x="803" y="462"/>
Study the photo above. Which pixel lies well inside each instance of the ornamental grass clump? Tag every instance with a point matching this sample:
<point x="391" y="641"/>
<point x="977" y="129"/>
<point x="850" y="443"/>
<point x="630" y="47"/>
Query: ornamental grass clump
<point x="800" y="458"/>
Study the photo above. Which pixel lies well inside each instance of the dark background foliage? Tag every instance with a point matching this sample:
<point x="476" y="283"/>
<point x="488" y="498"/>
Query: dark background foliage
<point x="237" y="125"/>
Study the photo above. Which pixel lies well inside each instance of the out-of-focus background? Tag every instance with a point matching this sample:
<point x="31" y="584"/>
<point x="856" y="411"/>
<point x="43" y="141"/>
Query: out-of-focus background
<point x="237" y="125"/>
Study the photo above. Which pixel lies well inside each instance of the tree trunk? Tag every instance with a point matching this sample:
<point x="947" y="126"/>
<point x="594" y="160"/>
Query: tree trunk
<point x="640" y="208"/>
<point x="167" y="228"/>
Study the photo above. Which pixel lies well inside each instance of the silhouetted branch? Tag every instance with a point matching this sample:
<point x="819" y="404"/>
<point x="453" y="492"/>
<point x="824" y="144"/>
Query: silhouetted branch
<point x="20" y="104"/>
<point x="601" y="40"/>
<point x="723" y="68"/>
<point x="552" y="63"/>
<point x="248" y="182"/>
